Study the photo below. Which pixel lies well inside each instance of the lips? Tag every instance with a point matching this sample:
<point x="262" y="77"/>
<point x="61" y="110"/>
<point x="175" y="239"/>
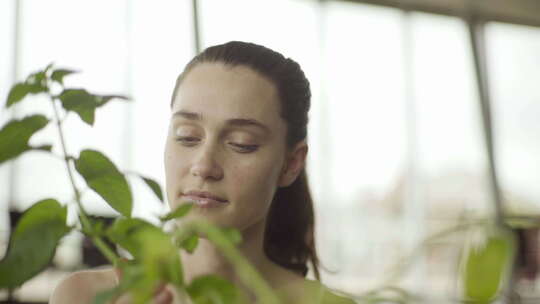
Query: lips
<point x="204" y="194"/>
<point x="204" y="199"/>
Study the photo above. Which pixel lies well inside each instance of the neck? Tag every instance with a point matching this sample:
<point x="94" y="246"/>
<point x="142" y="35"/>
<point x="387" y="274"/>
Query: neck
<point x="206" y="259"/>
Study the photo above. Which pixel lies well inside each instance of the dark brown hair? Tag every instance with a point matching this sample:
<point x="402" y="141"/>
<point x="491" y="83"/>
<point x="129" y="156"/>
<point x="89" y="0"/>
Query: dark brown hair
<point x="288" y="239"/>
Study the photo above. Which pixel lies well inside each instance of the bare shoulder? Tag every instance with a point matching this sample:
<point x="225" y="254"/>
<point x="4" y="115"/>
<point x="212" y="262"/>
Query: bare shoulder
<point x="82" y="286"/>
<point x="310" y="291"/>
<point x="324" y="295"/>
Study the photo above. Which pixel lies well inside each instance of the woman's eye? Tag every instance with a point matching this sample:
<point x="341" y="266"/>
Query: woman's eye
<point x="191" y="141"/>
<point x="187" y="140"/>
<point x="245" y="148"/>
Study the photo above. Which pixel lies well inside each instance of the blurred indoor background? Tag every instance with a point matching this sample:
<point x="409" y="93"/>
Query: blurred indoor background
<point x="397" y="148"/>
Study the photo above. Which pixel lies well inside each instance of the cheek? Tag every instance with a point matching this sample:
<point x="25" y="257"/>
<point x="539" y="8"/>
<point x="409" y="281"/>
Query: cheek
<point x="174" y="159"/>
<point x="168" y="161"/>
<point x="174" y="170"/>
<point x="257" y="179"/>
<point x="254" y="186"/>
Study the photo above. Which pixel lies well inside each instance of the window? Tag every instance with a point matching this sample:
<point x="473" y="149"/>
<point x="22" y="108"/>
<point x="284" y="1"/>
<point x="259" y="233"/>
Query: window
<point x="396" y="144"/>
<point x="513" y="62"/>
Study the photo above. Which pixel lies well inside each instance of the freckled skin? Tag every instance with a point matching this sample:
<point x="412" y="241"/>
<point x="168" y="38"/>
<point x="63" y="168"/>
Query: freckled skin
<point x="247" y="180"/>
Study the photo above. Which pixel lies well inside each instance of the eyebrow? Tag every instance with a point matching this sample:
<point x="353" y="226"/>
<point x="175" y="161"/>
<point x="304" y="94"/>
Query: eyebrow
<point x="240" y="122"/>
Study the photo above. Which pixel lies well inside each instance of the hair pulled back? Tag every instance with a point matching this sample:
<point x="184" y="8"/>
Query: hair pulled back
<point x="288" y="239"/>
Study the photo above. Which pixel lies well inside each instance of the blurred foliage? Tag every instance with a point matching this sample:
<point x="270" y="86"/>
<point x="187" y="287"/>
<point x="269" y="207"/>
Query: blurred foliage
<point x="41" y="226"/>
<point x="486" y="266"/>
<point x="156" y="256"/>
<point x="16" y="133"/>
<point x="105" y="179"/>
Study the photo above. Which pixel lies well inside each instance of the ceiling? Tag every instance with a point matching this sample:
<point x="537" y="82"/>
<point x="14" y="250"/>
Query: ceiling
<point x="526" y="12"/>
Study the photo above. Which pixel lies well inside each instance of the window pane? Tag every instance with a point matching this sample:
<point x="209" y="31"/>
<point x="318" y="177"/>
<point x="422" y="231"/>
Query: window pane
<point x="136" y="49"/>
<point x="130" y="47"/>
<point x="450" y="155"/>
<point x="514" y="65"/>
<point x="162" y="43"/>
<point x="7" y="20"/>
<point x="366" y="139"/>
<point x="406" y="155"/>
<point x="75" y="40"/>
<point x="7" y="16"/>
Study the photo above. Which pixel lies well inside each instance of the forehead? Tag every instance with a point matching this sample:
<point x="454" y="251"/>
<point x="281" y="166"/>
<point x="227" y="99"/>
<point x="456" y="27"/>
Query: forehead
<point x="220" y="91"/>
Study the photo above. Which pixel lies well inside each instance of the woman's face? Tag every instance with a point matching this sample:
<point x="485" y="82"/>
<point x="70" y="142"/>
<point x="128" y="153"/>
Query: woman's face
<point x="225" y="137"/>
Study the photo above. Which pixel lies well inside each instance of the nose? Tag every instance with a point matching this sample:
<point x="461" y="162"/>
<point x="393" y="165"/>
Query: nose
<point x="206" y="165"/>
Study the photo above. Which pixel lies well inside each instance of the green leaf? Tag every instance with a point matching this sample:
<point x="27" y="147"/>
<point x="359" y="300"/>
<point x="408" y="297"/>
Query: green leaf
<point x="139" y="282"/>
<point x="107" y="296"/>
<point x="17" y="93"/>
<point x="151" y="246"/>
<point x="212" y="289"/>
<point x="48" y="67"/>
<point x="121" y="233"/>
<point x="232" y="235"/>
<point x="46" y="148"/>
<point x="38" y="81"/>
<point x="160" y="256"/>
<point x="15" y="134"/>
<point x="249" y="276"/>
<point x="179" y="212"/>
<point x="97" y="226"/>
<point x="132" y="277"/>
<point x="190" y="243"/>
<point x="80" y="102"/>
<point x="84" y="103"/>
<point x="35" y="83"/>
<point x="58" y="75"/>
<point x="102" y="176"/>
<point x="485" y="268"/>
<point x="154" y="186"/>
<point x="33" y="242"/>
<point x="104" y="99"/>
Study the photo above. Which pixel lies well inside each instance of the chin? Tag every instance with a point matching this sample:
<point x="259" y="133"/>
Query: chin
<point x="198" y="215"/>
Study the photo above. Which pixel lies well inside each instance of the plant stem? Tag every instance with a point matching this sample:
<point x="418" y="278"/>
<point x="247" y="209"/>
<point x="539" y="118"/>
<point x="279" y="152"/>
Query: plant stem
<point x="249" y="275"/>
<point x="83" y="216"/>
<point x="105" y="250"/>
<point x="66" y="159"/>
<point x="399" y="270"/>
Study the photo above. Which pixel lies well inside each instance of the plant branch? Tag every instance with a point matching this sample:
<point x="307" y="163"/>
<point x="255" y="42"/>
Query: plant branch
<point x="57" y="156"/>
<point x="249" y="275"/>
<point x="85" y="221"/>
<point x="66" y="158"/>
<point x="400" y="269"/>
<point x="106" y="250"/>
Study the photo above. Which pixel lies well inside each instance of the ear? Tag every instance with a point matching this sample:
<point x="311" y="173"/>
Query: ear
<point x="294" y="163"/>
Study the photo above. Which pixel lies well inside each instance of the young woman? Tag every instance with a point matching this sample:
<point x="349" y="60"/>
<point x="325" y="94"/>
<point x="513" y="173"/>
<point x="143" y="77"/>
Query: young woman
<point x="237" y="148"/>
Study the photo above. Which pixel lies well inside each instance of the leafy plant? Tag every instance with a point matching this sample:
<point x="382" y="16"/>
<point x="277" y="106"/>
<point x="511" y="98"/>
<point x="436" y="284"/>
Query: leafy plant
<point x="485" y="264"/>
<point x="155" y="252"/>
